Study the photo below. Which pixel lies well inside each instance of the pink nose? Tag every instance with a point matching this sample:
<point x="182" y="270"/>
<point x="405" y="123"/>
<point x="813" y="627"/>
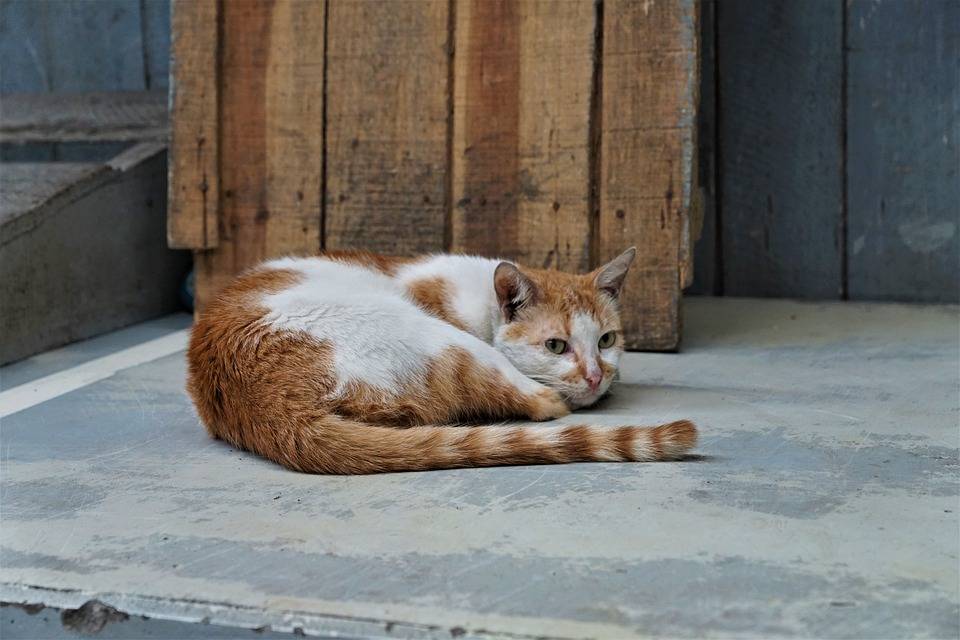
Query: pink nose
<point x="594" y="380"/>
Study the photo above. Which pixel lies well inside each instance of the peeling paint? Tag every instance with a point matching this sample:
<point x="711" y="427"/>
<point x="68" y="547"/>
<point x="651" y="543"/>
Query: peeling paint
<point x="923" y="237"/>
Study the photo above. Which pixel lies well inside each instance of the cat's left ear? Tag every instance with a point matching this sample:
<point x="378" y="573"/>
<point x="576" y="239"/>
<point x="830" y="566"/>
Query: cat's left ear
<point x="609" y="278"/>
<point x="514" y="289"/>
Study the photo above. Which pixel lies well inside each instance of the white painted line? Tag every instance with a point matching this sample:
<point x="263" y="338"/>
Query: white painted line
<point x="57" y="384"/>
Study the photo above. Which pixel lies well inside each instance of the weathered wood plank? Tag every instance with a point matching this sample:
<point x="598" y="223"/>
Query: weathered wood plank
<point x="486" y="172"/>
<point x="902" y="117"/>
<point x="293" y="160"/>
<point x="194" y="138"/>
<point x="647" y="133"/>
<point x="387" y="126"/>
<point x="83" y="117"/>
<point x="271" y="137"/>
<point x="781" y="161"/>
<point x="521" y="140"/>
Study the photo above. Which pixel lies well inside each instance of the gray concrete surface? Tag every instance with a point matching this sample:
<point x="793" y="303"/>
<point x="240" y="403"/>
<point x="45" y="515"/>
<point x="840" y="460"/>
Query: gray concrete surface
<point x="825" y="504"/>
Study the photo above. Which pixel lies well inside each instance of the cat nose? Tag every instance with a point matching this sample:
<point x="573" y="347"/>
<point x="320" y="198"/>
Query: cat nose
<point x="594" y="378"/>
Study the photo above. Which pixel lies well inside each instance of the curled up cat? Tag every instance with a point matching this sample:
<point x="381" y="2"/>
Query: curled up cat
<point x="352" y="362"/>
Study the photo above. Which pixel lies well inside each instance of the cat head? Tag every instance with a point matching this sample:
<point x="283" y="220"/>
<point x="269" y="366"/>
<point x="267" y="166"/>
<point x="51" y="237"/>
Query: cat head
<point x="562" y="329"/>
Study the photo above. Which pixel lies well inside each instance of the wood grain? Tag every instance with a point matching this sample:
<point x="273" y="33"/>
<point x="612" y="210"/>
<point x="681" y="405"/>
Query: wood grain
<point x="521" y="140"/>
<point x="194" y="137"/>
<point x="903" y="185"/>
<point x="387" y="126"/>
<point x="647" y="134"/>
<point x="781" y="161"/>
<point x="271" y="137"/>
<point x="534" y="155"/>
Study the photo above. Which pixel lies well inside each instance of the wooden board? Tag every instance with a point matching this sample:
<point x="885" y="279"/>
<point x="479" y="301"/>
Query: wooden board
<point x="194" y="137"/>
<point x="903" y="183"/>
<point x="387" y="126"/>
<point x="521" y="140"/>
<point x="271" y="137"/>
<point x="645" y="188"/>
<point x="781" y="156"/>
<point x="482" y="126"/>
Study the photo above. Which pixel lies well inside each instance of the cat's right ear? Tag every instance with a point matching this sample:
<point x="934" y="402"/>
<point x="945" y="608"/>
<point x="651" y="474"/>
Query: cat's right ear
<point x="609" y="278"/>
<point x="514" y="290"/>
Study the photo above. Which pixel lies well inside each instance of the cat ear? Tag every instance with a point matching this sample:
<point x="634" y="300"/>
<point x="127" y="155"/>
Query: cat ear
<point x="609" y="278"/>
<point x="514" y="290"/>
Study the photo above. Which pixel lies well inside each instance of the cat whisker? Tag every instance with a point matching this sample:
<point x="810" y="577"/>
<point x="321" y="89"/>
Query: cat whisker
<point x="556" y="383"/>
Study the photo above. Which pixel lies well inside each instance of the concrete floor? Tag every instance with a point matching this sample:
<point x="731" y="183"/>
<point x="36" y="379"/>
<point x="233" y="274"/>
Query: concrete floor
<point x="825" y="504"/>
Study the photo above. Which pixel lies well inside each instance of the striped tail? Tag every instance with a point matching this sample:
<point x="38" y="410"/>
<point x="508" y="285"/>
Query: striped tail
<point x="335" y="445"/>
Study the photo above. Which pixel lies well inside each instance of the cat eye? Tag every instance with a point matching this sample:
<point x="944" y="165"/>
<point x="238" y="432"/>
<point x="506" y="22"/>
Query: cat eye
<point x="606" y="340"/>
<point x="556" y="345"/>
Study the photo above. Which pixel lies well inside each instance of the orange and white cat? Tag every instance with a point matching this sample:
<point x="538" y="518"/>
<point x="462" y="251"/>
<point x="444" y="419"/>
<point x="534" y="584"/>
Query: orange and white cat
<point x="352" y="362"/>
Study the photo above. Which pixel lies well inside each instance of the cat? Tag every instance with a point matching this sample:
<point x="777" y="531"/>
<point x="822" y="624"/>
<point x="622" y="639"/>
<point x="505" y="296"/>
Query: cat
<point x="354" y="363"/>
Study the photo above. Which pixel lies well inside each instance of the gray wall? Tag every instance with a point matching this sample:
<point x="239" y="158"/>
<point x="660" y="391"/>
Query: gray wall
<point x="84" y="45"/>
<point x="829" y="133"/>
<point x="81" y="45"/>
<point x="830" y="149"/>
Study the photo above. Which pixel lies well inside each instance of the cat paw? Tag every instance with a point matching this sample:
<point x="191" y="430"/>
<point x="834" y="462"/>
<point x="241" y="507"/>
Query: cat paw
<point x="547" y="405"/>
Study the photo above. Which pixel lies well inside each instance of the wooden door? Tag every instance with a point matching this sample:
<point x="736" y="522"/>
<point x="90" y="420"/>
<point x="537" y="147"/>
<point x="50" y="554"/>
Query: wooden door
<point x="552" y="132"/>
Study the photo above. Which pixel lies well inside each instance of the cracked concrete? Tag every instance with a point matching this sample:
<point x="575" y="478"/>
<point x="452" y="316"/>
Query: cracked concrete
<point x="824" y="504"/>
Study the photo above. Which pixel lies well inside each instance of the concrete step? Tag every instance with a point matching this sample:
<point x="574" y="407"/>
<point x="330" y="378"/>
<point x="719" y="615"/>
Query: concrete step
<point x="83" y="249"/>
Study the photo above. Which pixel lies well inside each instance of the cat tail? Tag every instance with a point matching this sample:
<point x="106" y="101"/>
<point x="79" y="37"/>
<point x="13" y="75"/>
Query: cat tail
<point x="335" y="445"/>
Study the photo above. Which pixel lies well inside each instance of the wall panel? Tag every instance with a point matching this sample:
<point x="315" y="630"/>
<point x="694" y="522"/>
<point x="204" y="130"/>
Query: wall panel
<point x="781" y="147"/>
<point x="903" y="161"/>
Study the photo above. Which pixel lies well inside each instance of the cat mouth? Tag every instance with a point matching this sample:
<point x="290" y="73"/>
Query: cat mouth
<point x="583" y="398"/>
<point x="576" y="395"/>
<point x="578" y="398"/>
